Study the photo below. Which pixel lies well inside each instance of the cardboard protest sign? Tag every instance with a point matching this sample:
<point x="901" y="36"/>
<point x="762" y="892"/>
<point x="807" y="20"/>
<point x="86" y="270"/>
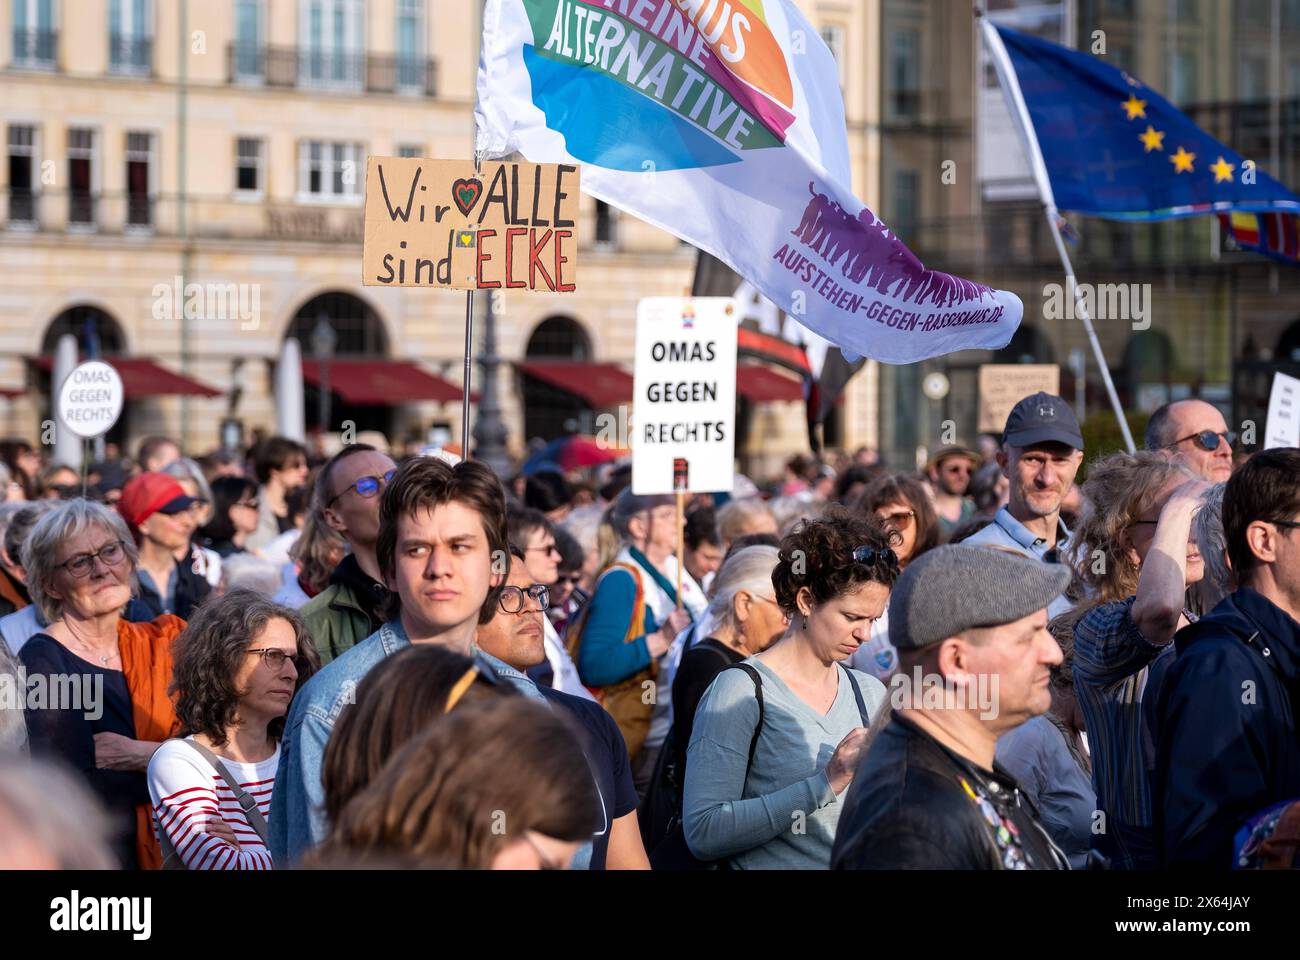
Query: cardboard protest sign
<point x="684" y="398"/>
<point x="1003" y="385"/>
<point x="90" y="399"/>
<point x="441" y="223"/>
<point x="1283" y="426"/>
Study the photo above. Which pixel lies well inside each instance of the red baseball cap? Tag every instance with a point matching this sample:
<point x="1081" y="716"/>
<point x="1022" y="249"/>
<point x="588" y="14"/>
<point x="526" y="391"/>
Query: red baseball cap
<point x="151" y="493"/>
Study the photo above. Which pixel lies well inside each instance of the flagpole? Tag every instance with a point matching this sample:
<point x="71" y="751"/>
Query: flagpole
<point x="1011" y="86"/>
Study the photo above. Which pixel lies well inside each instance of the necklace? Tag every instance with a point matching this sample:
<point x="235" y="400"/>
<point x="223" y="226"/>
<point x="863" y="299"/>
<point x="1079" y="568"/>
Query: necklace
<point x="102" y="658"/>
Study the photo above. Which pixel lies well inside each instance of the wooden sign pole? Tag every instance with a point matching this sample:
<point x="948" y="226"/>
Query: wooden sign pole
<point x="680" y="485"/>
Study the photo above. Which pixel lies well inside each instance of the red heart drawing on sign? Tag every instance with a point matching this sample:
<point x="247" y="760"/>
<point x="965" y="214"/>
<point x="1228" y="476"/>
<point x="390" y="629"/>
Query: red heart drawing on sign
<point x="465" y="193"/>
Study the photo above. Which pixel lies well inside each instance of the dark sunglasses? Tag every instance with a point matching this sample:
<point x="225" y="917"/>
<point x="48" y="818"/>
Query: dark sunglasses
<point x="1208" y="439"/>
<point x="366" y="487"/>
<point x="870" y="556"/>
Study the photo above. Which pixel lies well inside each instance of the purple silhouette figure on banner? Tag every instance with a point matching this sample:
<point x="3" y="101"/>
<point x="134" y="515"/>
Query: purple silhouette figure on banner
<point x="875" y="256"/>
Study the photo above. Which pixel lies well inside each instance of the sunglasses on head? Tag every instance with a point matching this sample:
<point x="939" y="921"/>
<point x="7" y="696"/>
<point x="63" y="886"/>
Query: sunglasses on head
<point x="1207" y="440"/>
<point x="870" y="556"/>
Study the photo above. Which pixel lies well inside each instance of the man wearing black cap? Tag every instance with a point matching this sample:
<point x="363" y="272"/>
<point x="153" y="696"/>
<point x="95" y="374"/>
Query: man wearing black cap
<point x="1042" y="449"/>
<point x="970" y="626"/>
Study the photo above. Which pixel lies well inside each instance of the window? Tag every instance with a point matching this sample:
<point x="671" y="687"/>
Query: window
<point x="905" y="73"/>
<point x="1293" y="78"/>
<point x="1187" y="11"/>
<point x="1119" y="8"/>
<point x="1254" y="77"/>
<point x="330" y="171"/>
<point x="606" y="225"/>
<point x="410" y="149"/>
<point x="833" y="36"/>
<point x="130" y="36"/>
<point x="1258" y="13"/>
<point x="248" y="165"/>
<point x="34" y="37"/>
<point x="81" y="176"/>
<point x="1184" y="80"/>
<point x="22" y="174"/>
<point x="333" y="49"/>
<point x="906" y="205"/>
<point x="247" y="62"/>
<point x="139" y="179"/>
<point x="410" y="46"/>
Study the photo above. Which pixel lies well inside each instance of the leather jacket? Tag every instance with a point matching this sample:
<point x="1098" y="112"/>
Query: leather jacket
<point x="914" y="804"/>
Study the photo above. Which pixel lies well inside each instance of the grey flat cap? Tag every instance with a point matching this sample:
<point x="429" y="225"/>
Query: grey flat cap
<point x="953" y="588"/>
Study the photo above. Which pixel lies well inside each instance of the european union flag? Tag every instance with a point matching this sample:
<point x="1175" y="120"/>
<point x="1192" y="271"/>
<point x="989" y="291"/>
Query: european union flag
<point x="1115" y="148"/>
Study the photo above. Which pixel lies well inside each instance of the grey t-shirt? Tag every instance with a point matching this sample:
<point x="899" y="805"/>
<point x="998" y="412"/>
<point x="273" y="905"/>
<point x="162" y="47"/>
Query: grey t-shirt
<point x="787" y="815"/>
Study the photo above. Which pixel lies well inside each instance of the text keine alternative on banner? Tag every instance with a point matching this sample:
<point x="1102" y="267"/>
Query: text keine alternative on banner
<point x="1283" y="426"/>
<point x="723" y="124"/>
<point x="441" y="223"/>
<point x="1003" y="385"/>
<point x="684" y="395"/>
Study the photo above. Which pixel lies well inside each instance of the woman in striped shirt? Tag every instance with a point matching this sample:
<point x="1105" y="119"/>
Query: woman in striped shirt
<point x="237" y="667"/>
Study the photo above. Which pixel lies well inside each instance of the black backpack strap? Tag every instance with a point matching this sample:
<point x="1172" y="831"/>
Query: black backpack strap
<point x="857" y="695"/>
<point x="758" y="728"/>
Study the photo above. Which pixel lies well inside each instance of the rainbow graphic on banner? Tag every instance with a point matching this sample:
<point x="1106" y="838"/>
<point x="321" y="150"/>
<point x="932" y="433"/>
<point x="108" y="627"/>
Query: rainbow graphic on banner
<point x="638" y="85"/>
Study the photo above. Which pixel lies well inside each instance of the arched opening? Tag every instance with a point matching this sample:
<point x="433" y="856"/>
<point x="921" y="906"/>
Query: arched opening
<point x="1147" y="372"/>
<point x="358" y="332"/>
<point x="1028" y="345"/>
<point x="1288" y="345"/>
<point x="98" y="334"/>
<point x="549" y="411"/>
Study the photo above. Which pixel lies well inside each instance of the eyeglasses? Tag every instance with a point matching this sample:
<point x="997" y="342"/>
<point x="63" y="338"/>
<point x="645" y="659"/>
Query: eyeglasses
<point x="274" y="657"/>
<point x="366" y="487"/>
<point x="575" y="579"/>
<point x="1207" y="439"/>
<point x="902" y="519"/>
<point x="250" y="504"/>
<point x="548" y="549"/>
<point x="111" y="553"/>
<point x="198" y="506"/>
<point x="870" y="556"/>
<point x="956" y="468"/>
<point x="1289" y="524"/>
<point x="784" y="616"/>
<point x="512" y="598"/>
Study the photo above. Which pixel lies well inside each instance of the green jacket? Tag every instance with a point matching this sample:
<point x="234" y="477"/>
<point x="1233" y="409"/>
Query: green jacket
<point x="336" y="621"/>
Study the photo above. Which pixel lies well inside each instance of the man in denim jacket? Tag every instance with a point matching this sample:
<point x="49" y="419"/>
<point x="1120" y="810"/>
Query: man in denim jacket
<point x="442" y="550"/>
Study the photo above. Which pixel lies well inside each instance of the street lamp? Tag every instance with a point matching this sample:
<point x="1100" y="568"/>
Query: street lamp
<point x="323" y="342"/>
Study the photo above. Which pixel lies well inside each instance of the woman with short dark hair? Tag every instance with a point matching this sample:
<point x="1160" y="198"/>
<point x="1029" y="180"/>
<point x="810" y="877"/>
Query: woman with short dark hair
<point x="237" y="667"/>
<point x="772" y="753"/>
<point x="234" y="516"/>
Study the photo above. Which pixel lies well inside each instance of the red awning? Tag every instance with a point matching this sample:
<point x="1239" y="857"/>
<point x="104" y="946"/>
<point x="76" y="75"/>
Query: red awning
<point x="751" y="343"/>
<point x="141" y="377"/>
<point x="381" y="383"/>
<point x="761" y="385"/>
<point x="600" y="384"/>
<point x="10" y="392"/>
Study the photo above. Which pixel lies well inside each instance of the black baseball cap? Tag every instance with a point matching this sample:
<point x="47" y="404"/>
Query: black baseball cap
<point x="1042" y="418"/>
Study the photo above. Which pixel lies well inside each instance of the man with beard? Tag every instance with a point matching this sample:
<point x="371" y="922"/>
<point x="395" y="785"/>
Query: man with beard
<point x="1042" y="449"/>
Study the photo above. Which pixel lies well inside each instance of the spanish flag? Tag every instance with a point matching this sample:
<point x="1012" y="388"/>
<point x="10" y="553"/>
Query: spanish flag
<point x="1275" y="235"/>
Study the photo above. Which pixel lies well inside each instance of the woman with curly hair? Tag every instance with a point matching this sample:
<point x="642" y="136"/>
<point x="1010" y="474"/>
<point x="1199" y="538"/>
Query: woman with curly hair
<point x="237" y="667"/>
<point x="776" y="737"/>
<point x="901" y="504"/>
<point x="1136" y="553"/>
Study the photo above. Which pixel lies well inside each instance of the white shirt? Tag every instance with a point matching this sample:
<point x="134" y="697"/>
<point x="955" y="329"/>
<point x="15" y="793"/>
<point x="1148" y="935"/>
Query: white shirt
<point x="19" y="627"/>
<point x="564" y="674"/>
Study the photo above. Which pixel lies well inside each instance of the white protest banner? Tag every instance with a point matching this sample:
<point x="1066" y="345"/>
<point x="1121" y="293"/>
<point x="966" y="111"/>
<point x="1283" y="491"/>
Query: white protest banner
<point x="90" y="399"/>
<point x="1003" y="385"/>
<point x="723" y="123"/>
<point x="1283" y="425"/>
<point x="684" y="397"/>
<point x="441" y="223"/>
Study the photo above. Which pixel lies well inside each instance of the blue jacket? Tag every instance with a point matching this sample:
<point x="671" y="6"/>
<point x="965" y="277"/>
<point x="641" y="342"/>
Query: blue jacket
<point x="297" y="820"/>
<point x="604" y="655"/>
<point x="1227" y="744"/>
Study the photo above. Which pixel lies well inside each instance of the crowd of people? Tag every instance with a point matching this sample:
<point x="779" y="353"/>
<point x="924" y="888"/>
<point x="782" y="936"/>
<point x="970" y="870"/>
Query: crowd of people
<point x="1021" y="656"/>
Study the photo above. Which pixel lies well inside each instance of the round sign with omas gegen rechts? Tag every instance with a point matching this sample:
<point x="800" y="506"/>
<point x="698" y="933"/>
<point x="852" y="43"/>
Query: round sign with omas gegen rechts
<point x="90" y="399"/>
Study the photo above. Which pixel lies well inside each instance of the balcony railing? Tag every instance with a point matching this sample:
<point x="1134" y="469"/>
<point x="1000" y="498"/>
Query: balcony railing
<point x="35" y="49"/>
<point x="130" y="54"/>
<point x="315" y="69"/>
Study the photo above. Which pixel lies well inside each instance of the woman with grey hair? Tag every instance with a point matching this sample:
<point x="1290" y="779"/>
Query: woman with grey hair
<point x="99" y="681"/>
<point x="743" y="619"/>
<point x="48" y="820"/>
<point x="1207" y="528"/>
<point x="237" y="667"/>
